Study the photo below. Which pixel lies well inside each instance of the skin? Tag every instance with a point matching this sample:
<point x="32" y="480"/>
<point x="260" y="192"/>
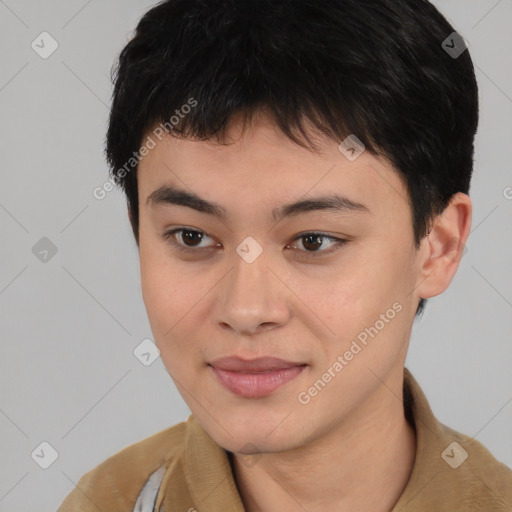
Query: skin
<point x="350" y="447"/>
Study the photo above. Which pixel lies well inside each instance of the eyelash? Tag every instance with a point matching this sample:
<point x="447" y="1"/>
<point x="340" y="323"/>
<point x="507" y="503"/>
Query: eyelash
<point x="338" y="242"/>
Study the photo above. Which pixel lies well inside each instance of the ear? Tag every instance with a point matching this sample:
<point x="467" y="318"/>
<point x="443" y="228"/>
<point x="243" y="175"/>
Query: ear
<point x="444" y="247"/>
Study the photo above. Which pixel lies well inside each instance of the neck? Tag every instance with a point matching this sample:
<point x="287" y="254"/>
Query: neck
<point x="363" y="464"/>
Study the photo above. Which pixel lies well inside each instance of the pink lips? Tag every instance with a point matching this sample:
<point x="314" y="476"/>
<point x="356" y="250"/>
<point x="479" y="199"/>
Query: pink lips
<point x="256" y="377"/>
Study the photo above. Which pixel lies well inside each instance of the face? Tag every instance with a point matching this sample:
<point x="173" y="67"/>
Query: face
<point x="324" y="289"/>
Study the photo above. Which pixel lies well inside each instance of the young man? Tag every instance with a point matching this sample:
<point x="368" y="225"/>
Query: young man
<point x="297" y="177"/>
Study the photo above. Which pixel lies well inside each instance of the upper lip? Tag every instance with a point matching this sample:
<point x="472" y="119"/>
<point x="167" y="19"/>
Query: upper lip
<point x="260" y="364"/>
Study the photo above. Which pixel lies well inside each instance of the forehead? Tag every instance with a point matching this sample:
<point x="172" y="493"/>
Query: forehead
<point x="259" y="166"/>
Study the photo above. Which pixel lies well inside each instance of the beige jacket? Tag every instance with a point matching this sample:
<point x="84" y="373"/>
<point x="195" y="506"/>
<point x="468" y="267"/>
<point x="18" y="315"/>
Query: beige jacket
<point x="181" y="469"/>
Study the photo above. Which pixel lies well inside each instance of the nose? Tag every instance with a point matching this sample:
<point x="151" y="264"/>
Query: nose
<point x="252" y="298"/>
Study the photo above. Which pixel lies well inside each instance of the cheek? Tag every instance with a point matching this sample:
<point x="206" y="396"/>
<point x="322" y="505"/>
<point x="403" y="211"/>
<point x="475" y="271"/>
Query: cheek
<point x="167" y="297"/>
<point x="172" y="297"/>
<point x="164" y="310"/>
<point x="163" y="290"/>
<point x="154" y="278"/>
<point x="362" y="290"/>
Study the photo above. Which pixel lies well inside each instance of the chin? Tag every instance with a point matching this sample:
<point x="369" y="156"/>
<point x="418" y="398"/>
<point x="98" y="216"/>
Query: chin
<point x="249" y="436"/>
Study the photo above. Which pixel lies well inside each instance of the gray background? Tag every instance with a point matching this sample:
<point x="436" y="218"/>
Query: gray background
<point x="68" y="375"/>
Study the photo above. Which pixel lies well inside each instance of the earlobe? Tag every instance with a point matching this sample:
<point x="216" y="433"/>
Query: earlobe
<point x="444" y="247"/>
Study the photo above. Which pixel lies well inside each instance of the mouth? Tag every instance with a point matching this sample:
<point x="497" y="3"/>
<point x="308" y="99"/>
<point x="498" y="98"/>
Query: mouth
<point x="256" y="377"/>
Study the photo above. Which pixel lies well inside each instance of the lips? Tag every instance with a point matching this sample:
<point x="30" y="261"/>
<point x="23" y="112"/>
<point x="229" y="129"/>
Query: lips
<point x="255" y="377"/>
<point x="260" y="364"/>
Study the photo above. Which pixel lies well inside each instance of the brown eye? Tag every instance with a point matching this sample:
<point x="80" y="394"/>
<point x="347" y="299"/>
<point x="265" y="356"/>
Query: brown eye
<point x="312" y="242"/>
<point x="191" y="237"/>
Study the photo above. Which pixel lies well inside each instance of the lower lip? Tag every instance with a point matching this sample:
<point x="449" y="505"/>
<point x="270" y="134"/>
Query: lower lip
<point x="254" y="385"/>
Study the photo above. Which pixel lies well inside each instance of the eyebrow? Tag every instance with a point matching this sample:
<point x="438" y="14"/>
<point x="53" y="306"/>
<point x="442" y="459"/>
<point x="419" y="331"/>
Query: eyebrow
<point x="168" y="195"/>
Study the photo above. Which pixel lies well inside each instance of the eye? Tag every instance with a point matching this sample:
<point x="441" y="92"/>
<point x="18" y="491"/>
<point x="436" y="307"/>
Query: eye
<point x="312" y="242"/>
<point x="190" y="238"/>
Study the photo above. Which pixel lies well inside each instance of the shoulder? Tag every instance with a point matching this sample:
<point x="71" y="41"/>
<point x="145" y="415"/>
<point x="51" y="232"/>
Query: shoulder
<point x="115" y="484"/>
<point x="481" y="478"/>
<point x="452" y="471"/>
